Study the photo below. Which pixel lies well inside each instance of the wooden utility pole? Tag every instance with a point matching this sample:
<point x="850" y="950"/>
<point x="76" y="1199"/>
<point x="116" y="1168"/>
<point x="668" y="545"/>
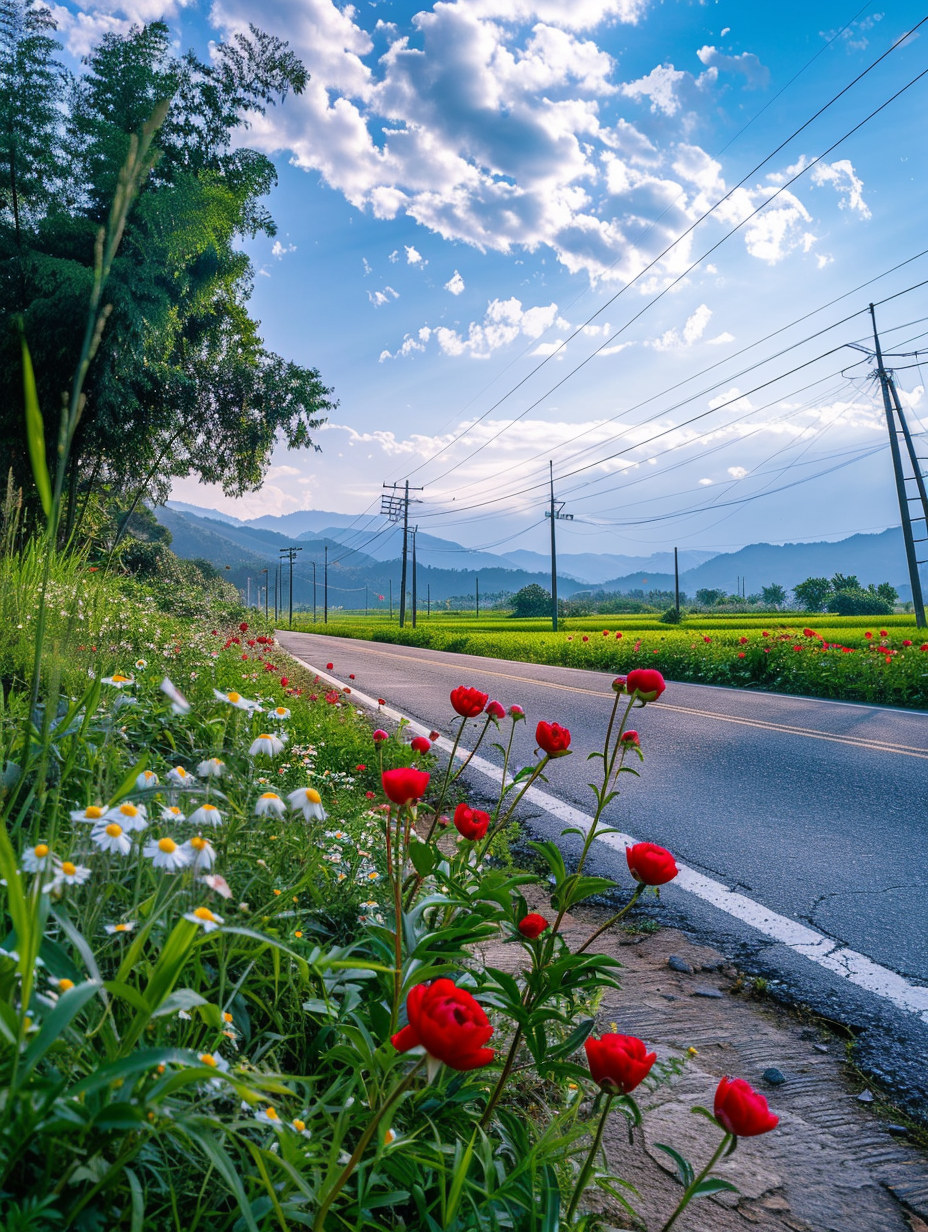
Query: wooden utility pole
<point x="555" y="514"/>
<point x="396" y="508"/>
<point x="325" y="588"/>
<point x="676" y="581"/>
<point x="414" y="604"/>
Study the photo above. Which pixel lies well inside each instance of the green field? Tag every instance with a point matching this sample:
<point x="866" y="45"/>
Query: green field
<point x="846" y="657"/>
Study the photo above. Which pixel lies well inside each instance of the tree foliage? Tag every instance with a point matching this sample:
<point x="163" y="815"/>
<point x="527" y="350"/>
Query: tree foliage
<point x="532" y="600"/>
<point x="774" y="594"/>
<point x="813" y="594"/>
<point x="182" y="383"/>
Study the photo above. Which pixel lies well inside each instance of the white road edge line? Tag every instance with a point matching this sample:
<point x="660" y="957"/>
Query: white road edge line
<point x="808" y="942"/>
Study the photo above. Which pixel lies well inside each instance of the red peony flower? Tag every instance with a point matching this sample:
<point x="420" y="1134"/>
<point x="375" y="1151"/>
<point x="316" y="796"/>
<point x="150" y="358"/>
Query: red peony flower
<point x="448" y="1023"/>
<point x="533" y="925"/>
<point x="651" y="865"/>
<point x="433" y="736"/>
<point x="741" y="1110"/>
<point x="215" y="632"/>
<point x="740" y="654"/>
<point x="883" y="633"/>
<point x="405" y="784"/>
<point x="381" y="701"/>
<point x="552" y="739"/>
<point x="360" y="767"/>
<point x="618" y="1062"/>
<point x="618" y="636"/>
<point x="707" y="639"/>
<point x="516" y="713"/>
<point x="420" y="745"/>
<point x="585" y="639"/>
<point x="742" y="641"/>
<point x="906" y="642"/>
<point x="468" y="702"/>
<point x="868" y="634"/>
<point x="284" y="681"/>
<point x="495" y="710"/>
<point x="765" y="634"/>
<point x="379" y="735"/>
<point x="471" y="823"/>
<point x="369" y="795"/>
<point x="252" y="642"/>
<point x="647" y="682"/>
<point x="618" y="685"/>
<point x="351" y="675"/>
<point x="631" y="737"/>
<point x="329" y="666"/>
<point x="243" y="627"/>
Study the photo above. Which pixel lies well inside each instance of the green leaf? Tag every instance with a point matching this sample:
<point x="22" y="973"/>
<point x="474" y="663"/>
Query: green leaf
<point x="713" y="1185"/>
<point x="423" y="858"/>
<point x="573" y="1041"/>
<point x="69" y="1005"/>
<point x="35" y="432"/>
<point x="685" y="1169"/>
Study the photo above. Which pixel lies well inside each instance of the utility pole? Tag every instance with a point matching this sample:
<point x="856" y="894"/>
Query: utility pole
<point x="414" y="604"/>
<point x="476" y="598"/>
<point x="908" y="537"/>
<point x="290" y="553"/>
<point x="428" y="600"/>
<point x="264" y="571"/>
<point x="365" y="603"/>
<point x="555" y="514"/>
<point x="396" y="509"/>
<point x="248" y="593"/>
<point x="314" y="592"/>
<point x="391" y="599"/>
<point x="676" y="582"/>
<point x="276" y="591"/>
<point x="325" y="588"/>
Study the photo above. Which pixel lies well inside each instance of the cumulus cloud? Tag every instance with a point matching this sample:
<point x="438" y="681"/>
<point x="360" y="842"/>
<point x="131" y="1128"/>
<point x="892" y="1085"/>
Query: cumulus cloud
<point x="693" y="330"/>
<point x="455" y="284"/>
<point x="737" y="472"/>
<point x="846" y="182"/>
<point x="504" y="322"/>
<point x="413" y="257"/>
<point x="379" y="298"/>
<point x="756" y="75"/>
<point x="281" y="250"/>
<point x="659" y="86"/>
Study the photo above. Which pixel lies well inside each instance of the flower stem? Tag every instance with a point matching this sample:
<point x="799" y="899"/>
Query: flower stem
<point x="723" y="1148"/>
<point x="639" y="890"/>
<point x="501" y="1081"/>
<point x="587" y="1168"/>
<point x="464" y="764"/>
<point x="359" y="1150"/>
<point x="446" y="780"/>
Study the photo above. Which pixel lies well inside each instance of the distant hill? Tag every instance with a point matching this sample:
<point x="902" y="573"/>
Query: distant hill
<point x="598" y="567"/>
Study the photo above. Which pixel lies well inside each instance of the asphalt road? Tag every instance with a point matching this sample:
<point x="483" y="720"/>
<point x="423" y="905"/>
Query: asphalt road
<point x="813" y="809"/>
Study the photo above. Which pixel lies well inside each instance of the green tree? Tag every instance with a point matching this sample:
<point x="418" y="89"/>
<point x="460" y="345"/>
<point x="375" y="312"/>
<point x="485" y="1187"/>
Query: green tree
<point x="774" y="595"/>
<point x="888" y="593"/>
<point x="709" y="598"/>
<point x="842" y="581"/>
<point x="182" y="372"/>
<point x="532" y="600"/>
<point x="813" y="594"/>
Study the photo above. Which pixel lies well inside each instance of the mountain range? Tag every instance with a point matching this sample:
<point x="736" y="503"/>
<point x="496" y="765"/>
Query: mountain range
<point x="369" y="559"/>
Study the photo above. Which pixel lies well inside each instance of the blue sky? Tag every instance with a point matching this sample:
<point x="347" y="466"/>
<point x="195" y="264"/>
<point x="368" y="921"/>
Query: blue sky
<point x="464" y="184"/>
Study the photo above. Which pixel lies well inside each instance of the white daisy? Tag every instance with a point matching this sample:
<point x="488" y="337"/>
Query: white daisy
<point x="309" y="802"/>
<point x="279" y="712"/>
<point x="206" y="815"/>
<point x="267" y="745"/>
<point x="179" y="703"/>
<point x="269" y="1116"/>
<point x="205" y="918"/>
<point x="236" y="700"/>
<point x="213" y="1060"/>
<point x="171" y="812"/>
<point x="141" y="664"/>
<point x="125" y="927"/>
<point x="300" y="1126"/>
<point x="200" y="852"/>
<point x="147" y="778"/>
<point x="271" y="803"/>
<point x="37" y="859"/>
<point x="130" y="816"/>
<point x="92" y="814"/>
<point x="214" y="768"/>
<point x="221" y="886"/>
<point x="181" y="777"/>
<point x="112" y="837"/>
<point x="69" y="874"/>
<point x="165" y="853"/>
<point x="118" y="681"/>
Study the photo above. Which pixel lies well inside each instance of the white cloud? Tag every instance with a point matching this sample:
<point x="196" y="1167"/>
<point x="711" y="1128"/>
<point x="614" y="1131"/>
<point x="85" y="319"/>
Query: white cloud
<point x="737" y="472"/>
<point x="504" y="322"/>
<point x="455" y="284"/>
<point x="379" y="298"/>
<point x="756" y="75"/>
<point x="281" y="250"/>
<point x="720" y="339"/>
<point x="368" y="268"/>
<point x="846" y="182"/>
<point x="660" y="86"/>
<point x="704" y="483"/>
<point x="413" y="257"/>
<point x="394" y="256"/>
<point x="693" y="330"/>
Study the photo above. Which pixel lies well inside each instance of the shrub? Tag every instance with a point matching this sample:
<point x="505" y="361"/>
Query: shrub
<point x="859" y="603"/>
<point x="531" y="600"/>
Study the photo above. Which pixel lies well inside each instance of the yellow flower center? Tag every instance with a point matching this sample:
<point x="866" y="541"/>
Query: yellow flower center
<point x="265" y="736"/>
<point x="298" y="933"/>
<point x="198" y="843"/>
<point x="270" y="795"/>
<point x="389" y="1136"/>
<point x="68" y="868"/>
<point x="64" y="985"/>
<point x="174" y="810"/>
<point x="281" y="710"/>
<point x="167" y="845"/>
<point x="40" y="852"/>
<point x="234" y="697"/>
<point x="271" y="1114"/>
<point x="93" y="812"/>
<point x="226" y="1016"/>
<point x="128" y="810"/>
<point x="207" y="1058"/>
<point x="180" y="772"/>
<point x="277" y="892"/>
<point x="122" y="928"/>
<point x="313" y="796"/>
<point x="299" y="1125"/>
<point x="120" y="679"/>
<point x="209" y="808"/>
<point x="114" y="830"/>
<point x="204" y="913"/>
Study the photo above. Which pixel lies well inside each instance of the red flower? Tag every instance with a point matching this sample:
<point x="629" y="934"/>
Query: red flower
<point x="906" y="642"/>
<point x="799" y="648"/>
<point x="924" y="646"/>
<point x="707" y="639"/>
<point x="618" y="636"/>
<point x="495" y="710"/>
<point x="468" y="702"/>
<point x="471" y="823"/>
<point x="533" y="925"/>
<point x="284" y="681"/>
<point x="883" y="633"/>
<point x="631" y="737"/>
<point x="741" y="1110"/>
<point x="381" y="701"/>
<point x="346" y="689"/>
<point x="243" y="627"/>
<point x="369" y="795"/>
<point x="647" y="682"/>
<point x="742" y="641"/>
<point x="516" y="713"/>
<point x="420" y="745"/>
<point x="765" y="634"/>
<point x="618" y="1062"/>
<point x="332" y="697"/>
<point x="215" y="632"/>
<point x="329" y="666"/>
<point x="809" y="633"/>
<point x="552" y="739"/>
<point x="868" y="634"/>
<point x="351" y="675"/>
<point x="360" y="768"/>
<point x="314" y="697"/>
<point x="406" y="784"/>
<point x="586" y="639"/>
<point x="252" y="642"/>
<point x="740" y="654"/>
<point x="433" y="736"/>
<point x="379" y="735"/>
<point x="245" y="658"/>
<point x="448" y="1023"/>
<point x="651" y="865"/>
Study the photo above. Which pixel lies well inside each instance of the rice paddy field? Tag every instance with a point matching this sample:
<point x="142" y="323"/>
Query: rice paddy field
<point x="882" y="660"/>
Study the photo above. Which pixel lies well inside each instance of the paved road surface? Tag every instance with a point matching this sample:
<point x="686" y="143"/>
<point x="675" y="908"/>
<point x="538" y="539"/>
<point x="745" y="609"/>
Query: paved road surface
<point x="813" y="809"/>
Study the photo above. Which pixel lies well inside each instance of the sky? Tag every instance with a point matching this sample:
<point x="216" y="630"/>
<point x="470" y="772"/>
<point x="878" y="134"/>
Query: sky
<point x="515" y="231"/>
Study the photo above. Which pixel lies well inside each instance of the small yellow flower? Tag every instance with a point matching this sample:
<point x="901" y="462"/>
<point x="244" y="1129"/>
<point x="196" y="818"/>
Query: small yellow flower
<point x="298" y="933"/>
<point x="68" y="868"/>
<point x="692" y="1052"/>
<point x="65" y="984"/>
<point x="298" y="1125"/>
<point x="207" y="1058"/>
<point x="226" y="1016"/>
<point x="276" y="893"/>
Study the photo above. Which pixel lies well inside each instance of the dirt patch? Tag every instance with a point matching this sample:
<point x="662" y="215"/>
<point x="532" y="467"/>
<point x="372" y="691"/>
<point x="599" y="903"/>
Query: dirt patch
<point x="830" y="1166"/>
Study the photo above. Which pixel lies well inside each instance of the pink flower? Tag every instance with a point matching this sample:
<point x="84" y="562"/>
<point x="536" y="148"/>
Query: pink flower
<point x="420" y="745"/>
<point x="380" y="735"/>
<point x="495" y="710"/>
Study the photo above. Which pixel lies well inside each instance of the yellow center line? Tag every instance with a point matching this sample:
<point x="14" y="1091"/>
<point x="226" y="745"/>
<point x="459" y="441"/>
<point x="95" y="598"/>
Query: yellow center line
<point x="879" y="746"/>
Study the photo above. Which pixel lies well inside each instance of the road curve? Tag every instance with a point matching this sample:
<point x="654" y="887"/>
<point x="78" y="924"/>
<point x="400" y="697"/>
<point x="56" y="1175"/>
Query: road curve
<point x="813" y="809"/>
